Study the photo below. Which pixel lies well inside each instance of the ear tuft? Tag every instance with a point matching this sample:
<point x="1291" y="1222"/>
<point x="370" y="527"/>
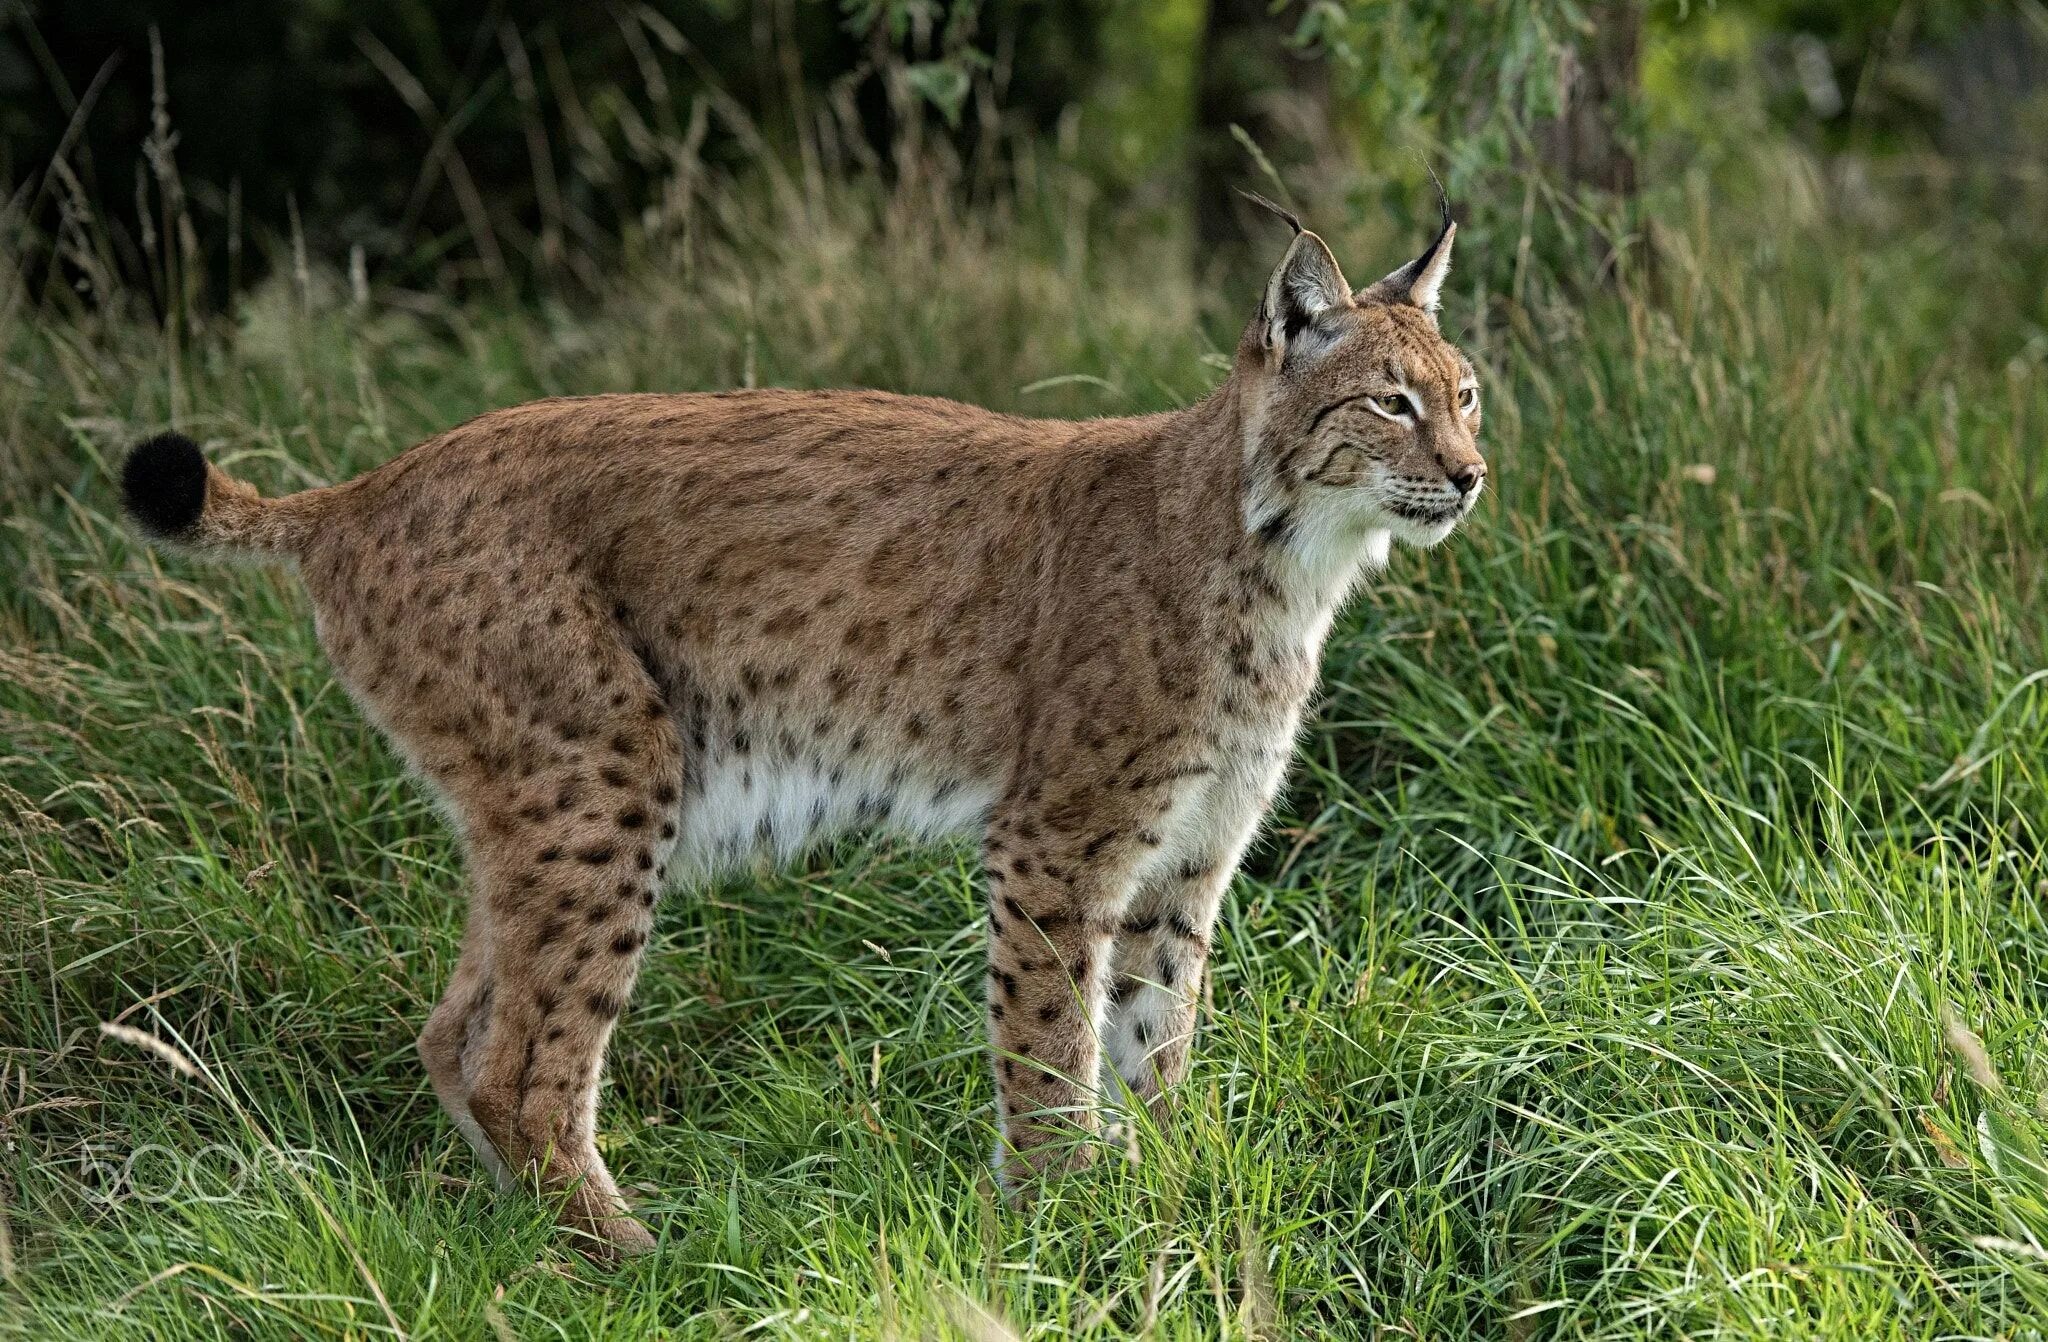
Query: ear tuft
<point x="1306" y="284"/>
<point x="1280" y="212"/>
<point x="1420" y="283"/>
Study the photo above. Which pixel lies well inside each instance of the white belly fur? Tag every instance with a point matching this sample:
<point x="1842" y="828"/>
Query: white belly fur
<point x="742" y="806"/>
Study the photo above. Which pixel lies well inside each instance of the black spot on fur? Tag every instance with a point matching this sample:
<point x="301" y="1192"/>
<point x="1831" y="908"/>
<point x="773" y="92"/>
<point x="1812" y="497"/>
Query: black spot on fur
<point x="1098" y="843"/>
<point x="163" y="485"/>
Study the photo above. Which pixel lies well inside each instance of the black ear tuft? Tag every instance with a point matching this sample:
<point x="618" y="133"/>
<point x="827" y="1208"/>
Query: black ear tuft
<point x="163" y="485"/>
<point x="1280" y="212"/>
<point x="1443" y="202"/>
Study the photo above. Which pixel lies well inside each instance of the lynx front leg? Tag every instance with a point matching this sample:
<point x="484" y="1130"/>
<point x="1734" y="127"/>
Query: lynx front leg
<point x="1162" y="949"/>
<point x="1052" y="922"/>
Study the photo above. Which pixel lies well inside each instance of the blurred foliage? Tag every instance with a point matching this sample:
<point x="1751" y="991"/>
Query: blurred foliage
<point x="522" y="143"/>
<point x="464" y="140"/>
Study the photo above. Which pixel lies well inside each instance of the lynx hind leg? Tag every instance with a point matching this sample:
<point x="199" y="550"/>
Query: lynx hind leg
<point x="443" y="1043"/>
<point x="564" y="769"/>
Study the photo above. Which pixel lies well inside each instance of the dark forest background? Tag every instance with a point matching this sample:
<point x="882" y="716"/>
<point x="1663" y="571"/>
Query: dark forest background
<point x="530" y="143"/>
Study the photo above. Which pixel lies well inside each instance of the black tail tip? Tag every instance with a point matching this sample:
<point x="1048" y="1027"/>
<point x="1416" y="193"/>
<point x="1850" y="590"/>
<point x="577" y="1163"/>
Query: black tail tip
<point x="163" y="485"/>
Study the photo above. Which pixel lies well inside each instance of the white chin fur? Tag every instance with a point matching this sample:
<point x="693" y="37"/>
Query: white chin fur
<point x="1423" y="535"/>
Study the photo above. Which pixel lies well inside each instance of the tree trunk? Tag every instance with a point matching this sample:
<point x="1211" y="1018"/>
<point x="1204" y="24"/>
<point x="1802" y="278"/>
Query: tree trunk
<point x="1250" y="77"/>
<point x="1587" y="143"/>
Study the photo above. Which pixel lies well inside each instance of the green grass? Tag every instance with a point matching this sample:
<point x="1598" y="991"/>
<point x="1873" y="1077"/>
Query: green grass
<point x="1653" y="944"/>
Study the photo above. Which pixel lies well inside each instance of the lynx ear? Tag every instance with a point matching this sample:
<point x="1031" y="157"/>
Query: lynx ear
<point x="1421" y="281"/>
<point x="1305" y="285"/>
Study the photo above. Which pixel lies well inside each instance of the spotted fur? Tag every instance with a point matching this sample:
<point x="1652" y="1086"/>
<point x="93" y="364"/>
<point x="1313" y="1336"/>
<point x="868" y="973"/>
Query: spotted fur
<point x="633" y="640"/>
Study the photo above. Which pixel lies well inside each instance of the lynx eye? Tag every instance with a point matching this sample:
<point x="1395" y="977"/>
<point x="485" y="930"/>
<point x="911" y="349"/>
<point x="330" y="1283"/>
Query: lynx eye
<point x="1394" y="403"/>
<point x="1468" y="398"/>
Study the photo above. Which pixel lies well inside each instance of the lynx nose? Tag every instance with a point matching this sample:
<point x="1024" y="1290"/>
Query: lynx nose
<point x="1466" y="478"/>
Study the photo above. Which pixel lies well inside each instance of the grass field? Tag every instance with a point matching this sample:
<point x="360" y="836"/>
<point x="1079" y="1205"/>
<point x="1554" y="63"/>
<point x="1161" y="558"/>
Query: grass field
<point x="1652" y="945"/>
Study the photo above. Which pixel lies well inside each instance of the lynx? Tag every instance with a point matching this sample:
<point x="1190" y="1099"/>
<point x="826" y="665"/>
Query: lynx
<point x="632" y="640"/>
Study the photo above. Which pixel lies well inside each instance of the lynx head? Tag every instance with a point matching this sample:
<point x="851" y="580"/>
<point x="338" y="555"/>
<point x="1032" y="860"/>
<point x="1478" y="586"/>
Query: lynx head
<point x="1361" y="418"/>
